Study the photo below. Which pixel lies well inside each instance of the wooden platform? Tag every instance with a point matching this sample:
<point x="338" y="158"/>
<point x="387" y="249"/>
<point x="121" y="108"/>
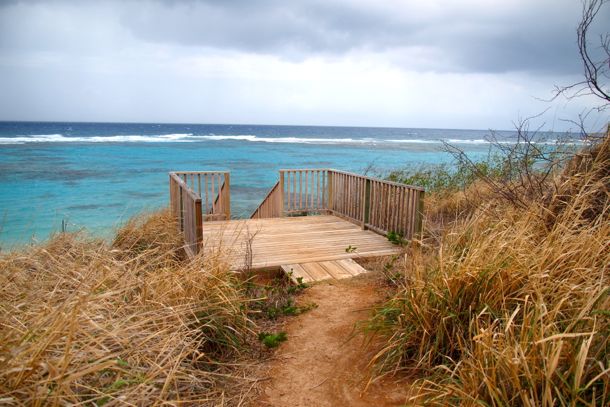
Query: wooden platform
<point x="271" y="243"/>
<point x="323" y="270"/>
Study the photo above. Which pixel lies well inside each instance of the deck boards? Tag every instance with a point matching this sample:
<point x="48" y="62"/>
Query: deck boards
<point x="292" y="240"/>
<point x="325" y="270"/>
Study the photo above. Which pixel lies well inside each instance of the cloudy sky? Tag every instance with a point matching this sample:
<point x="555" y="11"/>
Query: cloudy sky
<point x="405" y="63"/>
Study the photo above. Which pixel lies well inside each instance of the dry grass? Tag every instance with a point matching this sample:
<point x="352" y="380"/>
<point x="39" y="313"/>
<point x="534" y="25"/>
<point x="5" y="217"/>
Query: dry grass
<point x="509" y="306"/>
<point x="85" y="322"/>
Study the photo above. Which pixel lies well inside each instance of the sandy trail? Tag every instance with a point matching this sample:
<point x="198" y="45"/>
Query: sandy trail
<point x="324" y="363"/>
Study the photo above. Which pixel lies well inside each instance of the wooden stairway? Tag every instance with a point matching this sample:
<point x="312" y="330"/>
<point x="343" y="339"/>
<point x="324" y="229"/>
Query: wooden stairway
<point x="323" y="270"/>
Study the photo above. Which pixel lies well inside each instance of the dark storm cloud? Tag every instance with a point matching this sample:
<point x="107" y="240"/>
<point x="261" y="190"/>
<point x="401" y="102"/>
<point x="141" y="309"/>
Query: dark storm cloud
<point x="474" y="37"/>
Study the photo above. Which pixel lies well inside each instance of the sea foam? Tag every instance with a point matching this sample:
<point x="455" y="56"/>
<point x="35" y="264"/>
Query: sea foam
<point x="190" y="138"/>
<point x="60" y="138"/>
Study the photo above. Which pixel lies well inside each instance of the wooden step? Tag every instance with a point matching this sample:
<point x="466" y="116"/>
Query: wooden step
<point x="323" y="270"/>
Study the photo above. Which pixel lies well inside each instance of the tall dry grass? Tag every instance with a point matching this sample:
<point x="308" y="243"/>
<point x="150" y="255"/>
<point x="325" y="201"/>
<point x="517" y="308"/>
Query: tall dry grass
<point x="511" y="306"/>
<point x="86" y="322"/>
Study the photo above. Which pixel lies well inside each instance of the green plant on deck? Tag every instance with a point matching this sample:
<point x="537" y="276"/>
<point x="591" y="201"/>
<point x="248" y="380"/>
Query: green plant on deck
<point x="272" y="340"/>
<point x="350" y="249"/>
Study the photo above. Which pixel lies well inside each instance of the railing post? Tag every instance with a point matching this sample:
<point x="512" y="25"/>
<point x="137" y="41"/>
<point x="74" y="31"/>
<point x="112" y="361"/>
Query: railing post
<point x="419" y="225"/>
<point x="366" y="207"/>
<point x="181" y="208"/>
<point x="227" y="196"/>
<point x="281" y="194"/>
<point x="330" y="191"/>
<point x="172" y="197"/>
<point x="198" y="225"/>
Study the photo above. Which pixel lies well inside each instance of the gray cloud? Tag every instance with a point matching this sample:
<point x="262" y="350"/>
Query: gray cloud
<point x="534" y="36"/>
<point x="468" y="63"/>
<point x="482" y="36"/>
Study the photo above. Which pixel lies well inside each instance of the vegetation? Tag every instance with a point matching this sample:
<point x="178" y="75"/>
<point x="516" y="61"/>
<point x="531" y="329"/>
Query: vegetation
<point x="271" y="340"/>
<point x="276" y="299"/>
<point x="84" y="321"/>
<point x="445" y="178"/>
<point x="507" y="303"/>
<point x="395" y="238"/>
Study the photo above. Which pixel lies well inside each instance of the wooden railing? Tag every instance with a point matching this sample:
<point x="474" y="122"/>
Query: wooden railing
<point x="196" y="197"/>
<point x="375" y="204"/>
<point x="213" y="187"/>
<point x="270" y="207"/>
<point x="304" y="191"/>
<point x="221" y="208"/>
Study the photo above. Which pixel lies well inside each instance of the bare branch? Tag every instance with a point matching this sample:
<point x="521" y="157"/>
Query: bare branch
<point x="596" y="69"/>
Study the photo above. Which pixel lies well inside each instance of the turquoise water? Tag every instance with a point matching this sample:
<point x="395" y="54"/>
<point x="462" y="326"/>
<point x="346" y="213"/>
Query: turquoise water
<point x="97" y="175"/>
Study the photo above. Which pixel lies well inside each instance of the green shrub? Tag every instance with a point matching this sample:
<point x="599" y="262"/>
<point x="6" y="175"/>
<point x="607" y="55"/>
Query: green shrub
<point x="272" y="340"/>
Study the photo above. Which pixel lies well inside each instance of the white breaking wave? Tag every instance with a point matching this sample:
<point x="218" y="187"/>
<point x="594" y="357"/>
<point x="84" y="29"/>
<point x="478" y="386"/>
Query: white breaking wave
<point x="190" y="138"/>
<point x="413" y="141"/>
<point x="60" y="138"/>
<point x="298" y="140"/>
<point x="173" y="138"/>
<point x="304" y="140"/>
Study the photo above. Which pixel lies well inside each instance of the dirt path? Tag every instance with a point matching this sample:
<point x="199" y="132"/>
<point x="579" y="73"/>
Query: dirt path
<point x="323" y="363"/>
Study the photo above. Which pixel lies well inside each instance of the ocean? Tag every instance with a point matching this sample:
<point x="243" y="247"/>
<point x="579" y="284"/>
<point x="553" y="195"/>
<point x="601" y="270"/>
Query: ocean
<point x="95" y="176"/>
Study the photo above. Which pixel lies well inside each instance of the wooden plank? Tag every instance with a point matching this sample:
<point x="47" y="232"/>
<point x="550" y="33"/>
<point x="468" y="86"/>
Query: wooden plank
<point x="323" y="270"/>
<point x="237" y="260"/>
<point x="351" y="266"/>
<point x="296" y="271"/>
<point x="335" y="270"/>
<point x="316" y="271"/>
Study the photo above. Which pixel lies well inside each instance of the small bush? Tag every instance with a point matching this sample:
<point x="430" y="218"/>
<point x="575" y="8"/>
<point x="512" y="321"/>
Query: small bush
<point x="272" y="340"/>
<point x="448" y="178"/>
<point x="395" y="238"/>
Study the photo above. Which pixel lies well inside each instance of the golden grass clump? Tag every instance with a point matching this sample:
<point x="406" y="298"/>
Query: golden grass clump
<point x="83" y="321"/>
<point x="511" y="306"/>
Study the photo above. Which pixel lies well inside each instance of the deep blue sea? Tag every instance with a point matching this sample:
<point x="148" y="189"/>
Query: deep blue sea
<point x="97" y="175"/>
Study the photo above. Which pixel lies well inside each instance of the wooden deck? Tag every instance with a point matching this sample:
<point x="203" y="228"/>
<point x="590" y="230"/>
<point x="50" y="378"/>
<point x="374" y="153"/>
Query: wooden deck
<point x="200" y="201"/>
<point x="273" y="242"/>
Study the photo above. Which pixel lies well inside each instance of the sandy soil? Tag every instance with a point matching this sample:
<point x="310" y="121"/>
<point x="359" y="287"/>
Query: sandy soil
<point x="324" y="361"/>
